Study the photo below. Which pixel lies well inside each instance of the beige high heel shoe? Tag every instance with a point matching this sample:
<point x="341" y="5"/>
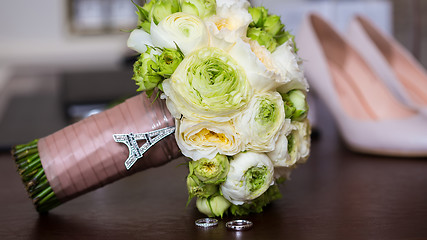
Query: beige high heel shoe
<point x="369" y="117"/>
<point x="391" y="61"/>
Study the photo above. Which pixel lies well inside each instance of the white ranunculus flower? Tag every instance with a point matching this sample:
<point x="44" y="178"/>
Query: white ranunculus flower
<point x="232" y="3"/>
<point x="303" y="135"/>
<point x="205" y="139"/>
<point x="138" y="40"/>
<point x="260" y="77"/>
<point x="208" y="85"/>
<point x="289" y="67"/>
<point x="280" y="155"/>
<point x="261" y="122"/>
<point x="293" y="145"/>
<point x="280" y="70"/>
<point x="230" y="21"/>
<point x="185" y="30"/>
<point x="250" y="175"/>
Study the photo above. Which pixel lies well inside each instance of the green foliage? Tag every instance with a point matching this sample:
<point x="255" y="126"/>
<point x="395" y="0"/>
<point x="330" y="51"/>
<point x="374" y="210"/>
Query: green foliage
<point x="153" y="66"/>
<point x="256" y="205"/>
<point x="267" y="29"/>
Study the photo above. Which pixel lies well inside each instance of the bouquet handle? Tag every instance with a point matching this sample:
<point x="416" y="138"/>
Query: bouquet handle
<point x="84" y="156"/>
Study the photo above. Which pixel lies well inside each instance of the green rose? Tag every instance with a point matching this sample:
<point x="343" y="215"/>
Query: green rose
<point x="145" y="72"/>
<point x="201" y="8"/>
<point x="196" y="188"/>
<point x="163" y="8"/>
<point x="168" y="61"/>
<point x="213" y="170"/>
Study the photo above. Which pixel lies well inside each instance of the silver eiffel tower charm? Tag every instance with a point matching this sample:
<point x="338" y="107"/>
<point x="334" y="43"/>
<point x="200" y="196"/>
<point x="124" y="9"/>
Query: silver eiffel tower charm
<point x="136" y="152"/>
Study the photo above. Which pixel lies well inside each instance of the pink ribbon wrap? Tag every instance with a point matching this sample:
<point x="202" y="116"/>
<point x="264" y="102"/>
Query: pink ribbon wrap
<point x="84" y="156"/>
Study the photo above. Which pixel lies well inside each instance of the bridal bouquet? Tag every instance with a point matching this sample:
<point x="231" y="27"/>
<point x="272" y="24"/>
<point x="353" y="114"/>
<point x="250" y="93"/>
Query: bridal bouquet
<point x="230" y="85"/>
<point x="231" y="78"/>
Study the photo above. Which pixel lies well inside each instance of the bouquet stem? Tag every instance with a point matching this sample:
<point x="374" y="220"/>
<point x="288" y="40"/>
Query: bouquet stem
<point x="30" y="169"/>
<point x="84" y="156"/>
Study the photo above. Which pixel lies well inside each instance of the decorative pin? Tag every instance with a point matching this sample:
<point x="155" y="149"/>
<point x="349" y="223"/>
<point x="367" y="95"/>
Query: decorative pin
<point x="136" y="152"/>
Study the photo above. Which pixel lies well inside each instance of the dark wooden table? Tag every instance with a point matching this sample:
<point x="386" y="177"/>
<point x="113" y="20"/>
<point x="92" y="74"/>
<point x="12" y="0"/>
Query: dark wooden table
<point x="337" y="194"/>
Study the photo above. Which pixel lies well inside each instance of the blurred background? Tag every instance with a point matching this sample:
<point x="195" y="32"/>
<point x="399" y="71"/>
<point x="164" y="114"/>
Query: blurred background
<point x="63" y="60"/>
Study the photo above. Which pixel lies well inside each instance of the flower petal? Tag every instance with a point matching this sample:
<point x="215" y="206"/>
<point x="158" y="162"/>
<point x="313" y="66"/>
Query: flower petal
<point x="138" y="40"/>
<point x="199" y="140"/>
<point x="185" y="30"/>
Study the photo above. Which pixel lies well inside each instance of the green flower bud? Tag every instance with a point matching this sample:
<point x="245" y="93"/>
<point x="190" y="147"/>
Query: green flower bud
<point x="273" y="25"/>
<point x="297" y="97"/>
<point x="296" y="107"/>
<point x="213" y="170"/>
<point x="259" y="15"/>
<point x="163" y="8"/>
<point x="168" y="61"/>
<point x="269" y="26"/>
<point x="263" y="38"/>
<point x="198" y="189"/>
<point x="299" y="101"/>
<point x="145" y="72"/>
<point x="148" y="6"/>
<point x="144" y="21"/>
<point x="201" y="8"/>
<point x="213" y="206"/>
